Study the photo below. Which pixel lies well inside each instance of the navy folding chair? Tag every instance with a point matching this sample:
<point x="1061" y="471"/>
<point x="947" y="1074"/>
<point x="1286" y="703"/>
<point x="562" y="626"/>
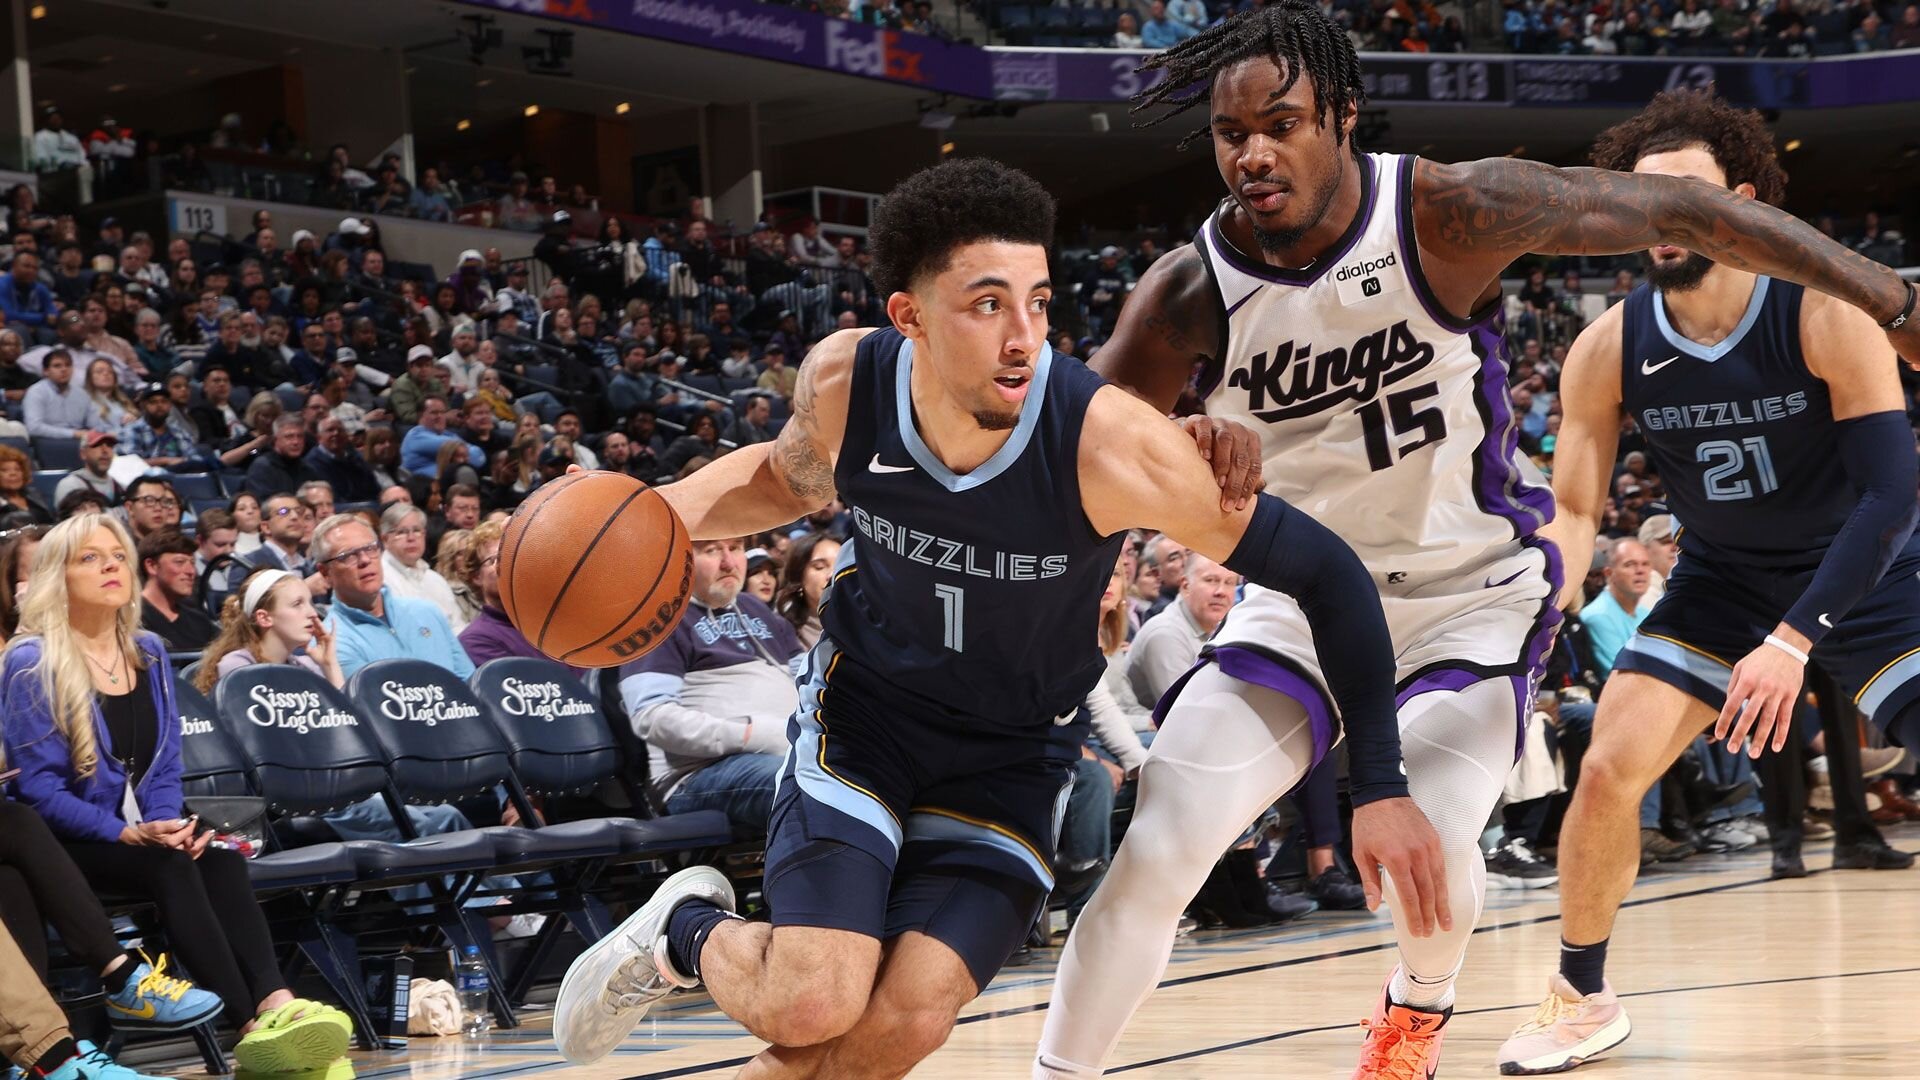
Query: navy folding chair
<point x="57" y="453"/>
<point x="559" y="744"/>
<point x="308" y="753"/>
<point x="196" y="486"/>
<point x="440" y="747"/>
<point x="47" y="481"/>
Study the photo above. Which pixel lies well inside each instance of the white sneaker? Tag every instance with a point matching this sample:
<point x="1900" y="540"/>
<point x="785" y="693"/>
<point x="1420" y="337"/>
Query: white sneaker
<point x="1727" y="836"/>
<point x="609" y="988"/>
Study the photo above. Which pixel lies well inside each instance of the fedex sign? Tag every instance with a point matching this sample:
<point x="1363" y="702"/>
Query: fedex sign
<point x="881" y="55"/>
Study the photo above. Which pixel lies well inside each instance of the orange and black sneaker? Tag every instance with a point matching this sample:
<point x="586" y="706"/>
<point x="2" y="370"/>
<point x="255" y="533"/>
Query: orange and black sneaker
<point x="1403" y="1042"/>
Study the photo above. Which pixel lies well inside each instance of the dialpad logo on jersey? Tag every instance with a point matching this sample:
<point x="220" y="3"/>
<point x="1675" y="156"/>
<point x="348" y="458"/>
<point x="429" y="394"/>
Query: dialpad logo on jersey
<point x="295" y="710"/>
<point x="1367" y="268"/>
<point x="882" y="56"/>
<point x="541" y="700"/>
<point x="1291" y="380"/>
<point x="427" y="705"/>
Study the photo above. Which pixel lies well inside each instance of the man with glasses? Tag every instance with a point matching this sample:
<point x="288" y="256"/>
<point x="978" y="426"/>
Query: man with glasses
<point x="420" y="450"/>
<point x="283" y="468"/>
<point x="283" y="522"/>
<point x="151" y="505"/>
<point x="369" y="620"/>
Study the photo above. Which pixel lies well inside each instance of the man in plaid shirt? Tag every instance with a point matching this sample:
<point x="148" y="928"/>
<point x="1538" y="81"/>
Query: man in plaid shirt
<point x="150" y="437"/>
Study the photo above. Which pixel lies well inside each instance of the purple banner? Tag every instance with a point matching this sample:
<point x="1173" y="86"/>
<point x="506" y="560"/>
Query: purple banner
<point x="774" y="32"/>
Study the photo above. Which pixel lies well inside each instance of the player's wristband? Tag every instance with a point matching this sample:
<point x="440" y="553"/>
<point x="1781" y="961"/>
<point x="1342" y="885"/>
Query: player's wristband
<point x="1900" y="320"/>
<point x="1786" y="648"/>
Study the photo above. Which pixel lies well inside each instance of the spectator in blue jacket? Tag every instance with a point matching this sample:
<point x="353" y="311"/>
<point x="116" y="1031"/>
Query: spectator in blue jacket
<point x="91" y="721"/>
<point x="26" y="300"/>
<point x="420" y="450"/>
<point x="1162" y="31"/>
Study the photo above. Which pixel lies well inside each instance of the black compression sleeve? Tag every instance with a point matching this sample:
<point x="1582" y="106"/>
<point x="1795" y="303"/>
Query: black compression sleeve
<point x="1878" y="455"/>
<point x="1285" y="550"/>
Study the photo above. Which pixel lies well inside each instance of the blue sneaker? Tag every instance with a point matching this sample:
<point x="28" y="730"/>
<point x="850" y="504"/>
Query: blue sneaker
<point x="153" y="1000"/>
<point x="94" y="1064"/>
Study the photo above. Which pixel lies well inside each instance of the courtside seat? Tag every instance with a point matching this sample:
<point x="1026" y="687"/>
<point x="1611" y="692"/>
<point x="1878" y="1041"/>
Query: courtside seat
<point x="559" y="744"/>
<point x="439" y="746"/>
<point x="375" y="860"/>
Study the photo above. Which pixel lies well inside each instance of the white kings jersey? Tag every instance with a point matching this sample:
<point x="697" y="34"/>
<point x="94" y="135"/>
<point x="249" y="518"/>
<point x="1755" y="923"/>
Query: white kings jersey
<point x="1379" y="413"/>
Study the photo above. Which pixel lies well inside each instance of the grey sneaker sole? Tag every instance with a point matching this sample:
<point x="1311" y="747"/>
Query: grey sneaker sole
<point x="585" y="983"/>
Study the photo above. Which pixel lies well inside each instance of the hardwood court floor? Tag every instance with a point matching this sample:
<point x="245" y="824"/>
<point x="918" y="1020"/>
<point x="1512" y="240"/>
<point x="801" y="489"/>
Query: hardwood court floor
<point x="1728" y="975"/>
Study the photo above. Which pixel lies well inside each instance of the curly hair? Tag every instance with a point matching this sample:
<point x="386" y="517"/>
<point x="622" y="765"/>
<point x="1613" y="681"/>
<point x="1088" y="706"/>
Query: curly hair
<point x="1295" y="35"/>
<point x="1738" y="139"/>
<point x="963" y="201"/>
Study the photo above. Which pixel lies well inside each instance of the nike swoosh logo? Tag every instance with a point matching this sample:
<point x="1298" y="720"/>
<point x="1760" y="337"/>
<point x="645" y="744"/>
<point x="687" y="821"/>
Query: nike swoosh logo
<point x="1824" y="621"/>
<point x="1492" y="584"/>
<point x="1648" y="367"/>
<point x="875" y="466"/>
<point x="144" y="1012"/>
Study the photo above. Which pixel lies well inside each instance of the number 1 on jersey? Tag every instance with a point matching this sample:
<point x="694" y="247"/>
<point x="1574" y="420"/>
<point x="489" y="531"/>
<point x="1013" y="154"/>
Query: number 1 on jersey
<point x="953" y="612"/>
<point x="1430" y="424"/>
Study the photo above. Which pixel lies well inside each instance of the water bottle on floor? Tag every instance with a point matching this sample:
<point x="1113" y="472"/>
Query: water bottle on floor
<point x="470" y="979"/>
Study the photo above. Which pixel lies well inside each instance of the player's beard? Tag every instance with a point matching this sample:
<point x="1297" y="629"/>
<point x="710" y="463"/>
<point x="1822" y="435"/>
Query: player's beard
<point x="1675" y="277"/>
<point x="990" y="420"/>
<point x="1277" y="240"/>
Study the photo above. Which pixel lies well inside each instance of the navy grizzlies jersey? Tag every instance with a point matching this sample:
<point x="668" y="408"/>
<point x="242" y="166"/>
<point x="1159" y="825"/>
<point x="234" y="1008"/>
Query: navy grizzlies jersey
<point x="1742" y="433"/>
<point x="977" y="596"/>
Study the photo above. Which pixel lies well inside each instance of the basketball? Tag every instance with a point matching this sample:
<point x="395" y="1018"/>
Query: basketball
<point x="595" y="568"/>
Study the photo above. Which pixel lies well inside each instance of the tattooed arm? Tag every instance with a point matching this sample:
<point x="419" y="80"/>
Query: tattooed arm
<point x="1475" y="217"/>
<point x="1171" y="319"/>
<point x="767" y="485"/>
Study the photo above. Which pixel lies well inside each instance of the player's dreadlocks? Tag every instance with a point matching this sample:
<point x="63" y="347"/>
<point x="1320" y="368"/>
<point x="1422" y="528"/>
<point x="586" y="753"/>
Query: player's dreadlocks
<point x="1294" y="34"/>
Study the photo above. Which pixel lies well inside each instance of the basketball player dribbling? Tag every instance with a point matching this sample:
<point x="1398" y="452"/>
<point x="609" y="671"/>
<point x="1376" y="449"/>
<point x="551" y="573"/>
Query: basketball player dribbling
<point x="1777" y="421"/>
<point x="990" y="484"/>
<point x="1347" y="306"/>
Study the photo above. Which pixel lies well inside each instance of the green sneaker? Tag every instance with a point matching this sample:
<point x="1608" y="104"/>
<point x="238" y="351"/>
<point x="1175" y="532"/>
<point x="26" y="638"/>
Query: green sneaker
<point x="299" y="1037"/>
<point x="341" y="1069"/>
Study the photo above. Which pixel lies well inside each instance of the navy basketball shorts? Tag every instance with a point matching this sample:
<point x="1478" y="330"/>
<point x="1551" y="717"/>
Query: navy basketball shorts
<point x="884" y="822"/>
<point x="1715" y="612"/>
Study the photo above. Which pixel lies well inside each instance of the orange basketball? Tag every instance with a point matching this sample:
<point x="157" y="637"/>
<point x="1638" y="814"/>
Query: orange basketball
<point x="595" y="568"/>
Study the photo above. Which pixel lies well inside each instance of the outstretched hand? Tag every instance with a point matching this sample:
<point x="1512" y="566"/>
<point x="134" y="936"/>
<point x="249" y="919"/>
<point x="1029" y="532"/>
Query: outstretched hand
<point x="1234" y="453"/>
<point x="1394" y="836"/>
<point x="1760" y="700"/>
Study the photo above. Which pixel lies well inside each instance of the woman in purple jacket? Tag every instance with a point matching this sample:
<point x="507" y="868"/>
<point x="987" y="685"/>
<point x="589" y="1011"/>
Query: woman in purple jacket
<point x="91" y="722"/>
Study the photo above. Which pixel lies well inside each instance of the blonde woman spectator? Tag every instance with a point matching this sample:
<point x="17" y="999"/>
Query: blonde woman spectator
<point x="107" y="406"/>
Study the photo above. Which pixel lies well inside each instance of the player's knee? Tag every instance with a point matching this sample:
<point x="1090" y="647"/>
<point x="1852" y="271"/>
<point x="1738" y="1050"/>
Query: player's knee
<point x="1614" y="776"/>
<point x="815" y="1013"/>
<point x="916" y="1032"/>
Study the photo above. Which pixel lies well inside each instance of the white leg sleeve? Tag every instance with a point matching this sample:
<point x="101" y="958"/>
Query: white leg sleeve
<point x="1228" y="749"/>
<point x="1459" y="748"/>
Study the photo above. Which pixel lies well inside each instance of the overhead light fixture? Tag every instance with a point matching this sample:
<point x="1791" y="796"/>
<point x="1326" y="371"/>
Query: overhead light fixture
<point x="1792" y="145"/>
<point x="483" y="82"/>
<point x="623" y="108"/>
<point x="37" y="11"/>
<point x="463" y="125"/>
<point x="531" y="110"/>
<point x="946" y="148"/>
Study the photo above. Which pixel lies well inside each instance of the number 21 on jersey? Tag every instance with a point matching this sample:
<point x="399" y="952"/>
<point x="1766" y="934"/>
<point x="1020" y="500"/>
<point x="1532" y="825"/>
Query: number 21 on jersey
<point x="1726" y="459"/>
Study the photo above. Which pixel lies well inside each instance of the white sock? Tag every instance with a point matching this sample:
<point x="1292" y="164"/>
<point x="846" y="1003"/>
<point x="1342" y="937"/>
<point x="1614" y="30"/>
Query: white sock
<point x="1404" y="990"/>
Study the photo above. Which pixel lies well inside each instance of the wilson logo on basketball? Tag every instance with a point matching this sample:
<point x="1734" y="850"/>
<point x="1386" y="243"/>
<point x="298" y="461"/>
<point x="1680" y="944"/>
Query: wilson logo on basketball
<point x="1292" y="380"/>
<point x="666" y="617"/>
